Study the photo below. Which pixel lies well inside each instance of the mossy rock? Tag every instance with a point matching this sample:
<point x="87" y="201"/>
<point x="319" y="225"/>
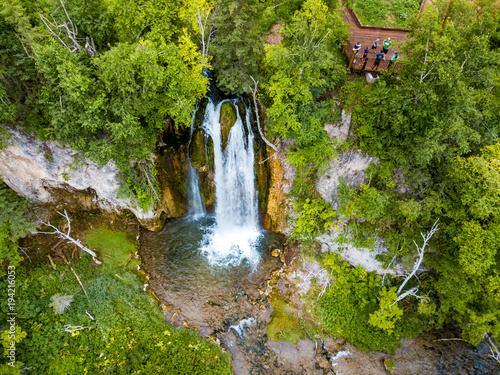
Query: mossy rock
<point x="227" y="119"/>
<point x="207" y="187"/>
<point x="389" y="364"/>
<point x="286" y="325"/>
<point x="242" y="109"/>
<point x="197" y="153"/>
<point x="202" y="159"/>
<point x="262" y="171"/>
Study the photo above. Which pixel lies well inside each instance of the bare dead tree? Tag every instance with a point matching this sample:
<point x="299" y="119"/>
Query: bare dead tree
<point x="255" y="102"/>
<point x="416" y="266"/>
<point x="67" y="236"/>
<point x="76" y="276"/>
<point x="495" y="352"/>
<point x="90" y="46"/>
<point x="206" y="35"/>
<point x="420" y="251"/>
<point x="69" y="328"/>
<point x="69" y="29"/>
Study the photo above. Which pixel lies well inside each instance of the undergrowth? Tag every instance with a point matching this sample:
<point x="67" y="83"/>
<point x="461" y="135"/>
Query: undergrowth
<point x="286" y="325"/>
<point x="344" y="310"/>
<point x="389" y="13"/>
<point x="118" y="329"/>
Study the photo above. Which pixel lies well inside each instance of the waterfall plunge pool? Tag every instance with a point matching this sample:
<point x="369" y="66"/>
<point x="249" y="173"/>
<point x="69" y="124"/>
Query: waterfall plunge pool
<point x="190" y="285"/>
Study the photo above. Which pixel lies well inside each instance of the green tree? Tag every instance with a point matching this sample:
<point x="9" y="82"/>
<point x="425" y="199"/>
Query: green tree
<point x="238" y="44"/>
<point x="18" y="76"/>
<point x="467" y="267"/>
<point x="198" y="14"/>
<point x="297" y="74"/>
<point x="435" y="126"/>
<point x="155" y="20"/>
<point x="302" y="68"/>
<point x="15" y="223"/>
<point x="389" y="312"/>
<point x="349" y="309"/>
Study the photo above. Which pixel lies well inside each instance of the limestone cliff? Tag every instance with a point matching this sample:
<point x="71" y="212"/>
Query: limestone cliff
<point x="46" y="172"/>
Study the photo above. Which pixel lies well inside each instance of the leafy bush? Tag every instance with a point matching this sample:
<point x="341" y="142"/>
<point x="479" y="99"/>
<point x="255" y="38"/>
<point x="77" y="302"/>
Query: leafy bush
<point x="315" y="216"/>
<point x="15" y="223"/>
<point x="345" y="308"/>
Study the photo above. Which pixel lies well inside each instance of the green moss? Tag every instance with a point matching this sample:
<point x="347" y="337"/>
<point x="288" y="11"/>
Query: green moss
<point x="389" y="364"/>
<point x="286" y="325"/>
<point x="227" y="120"/>
<point x="116" y="249"/>
<point x="197" y="152"/>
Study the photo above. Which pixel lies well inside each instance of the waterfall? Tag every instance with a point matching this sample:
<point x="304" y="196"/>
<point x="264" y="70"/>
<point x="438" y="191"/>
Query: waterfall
<point x="195" y="203"/>
<point x="233" y="236"/>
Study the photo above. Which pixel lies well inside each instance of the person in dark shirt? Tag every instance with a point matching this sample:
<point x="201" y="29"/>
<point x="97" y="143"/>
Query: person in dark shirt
<point x="356" y="48"/>
<point x="380" y="57"/>
<point x="365" y="61"/>
<point x="366" y="52"/>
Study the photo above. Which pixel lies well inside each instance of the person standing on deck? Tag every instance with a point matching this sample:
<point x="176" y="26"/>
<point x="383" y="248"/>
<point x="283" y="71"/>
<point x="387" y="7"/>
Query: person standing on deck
<point x="375" y="44"/>
<point x="393" y="59"/>
<point x="366" y="52"/>
<point x="365" y="61"/>
<point x="387" y="45"/>
<point x="356" y="48"/>
<point x="380" y="57"/>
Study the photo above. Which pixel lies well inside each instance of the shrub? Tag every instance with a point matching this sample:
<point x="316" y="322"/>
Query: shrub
<point x="344" y="310"/>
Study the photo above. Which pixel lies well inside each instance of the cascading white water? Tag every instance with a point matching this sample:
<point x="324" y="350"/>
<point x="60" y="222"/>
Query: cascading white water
<point x="234" y="235"/>
<point x="195" y="203"/>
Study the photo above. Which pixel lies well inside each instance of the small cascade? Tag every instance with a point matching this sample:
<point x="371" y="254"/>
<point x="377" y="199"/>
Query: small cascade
<point x="233" y="237"/>
<point x="242" y="327"/>
<point x="195" y="203"/>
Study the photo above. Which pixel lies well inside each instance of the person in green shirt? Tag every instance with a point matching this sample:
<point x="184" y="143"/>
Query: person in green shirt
<point x="387" y="45"/>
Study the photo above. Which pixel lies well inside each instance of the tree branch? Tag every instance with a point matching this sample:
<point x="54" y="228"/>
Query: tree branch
<point x="495" y="352"/>
<point x="254" y="94"/>
<point x="420" y="251"/>
<point x="71" y="32"/>
<point x="68" y="238"/>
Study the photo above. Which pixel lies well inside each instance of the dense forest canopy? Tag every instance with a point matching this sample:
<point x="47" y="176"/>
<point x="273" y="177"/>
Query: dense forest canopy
<point x="106" y="76"/>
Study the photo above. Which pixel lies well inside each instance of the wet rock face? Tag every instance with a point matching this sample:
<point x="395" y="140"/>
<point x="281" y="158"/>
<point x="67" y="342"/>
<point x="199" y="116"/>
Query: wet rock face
<point x="46" y="172"/>
<point x="201" y="156"/>
<point x="227" y="120"/>
<point x="281" y="176"/>
<point x="172" y="172"/>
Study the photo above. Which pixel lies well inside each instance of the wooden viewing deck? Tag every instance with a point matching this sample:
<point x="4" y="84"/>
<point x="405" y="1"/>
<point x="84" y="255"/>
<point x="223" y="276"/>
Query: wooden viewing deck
<point x="366" y="35"/>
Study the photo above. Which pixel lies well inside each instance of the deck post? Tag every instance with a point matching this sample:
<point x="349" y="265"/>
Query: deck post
<point x="352" y="58"/>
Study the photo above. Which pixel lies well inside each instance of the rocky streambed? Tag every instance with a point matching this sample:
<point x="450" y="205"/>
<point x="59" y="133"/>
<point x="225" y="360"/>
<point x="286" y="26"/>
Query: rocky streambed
<point x="232" y="306"/>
